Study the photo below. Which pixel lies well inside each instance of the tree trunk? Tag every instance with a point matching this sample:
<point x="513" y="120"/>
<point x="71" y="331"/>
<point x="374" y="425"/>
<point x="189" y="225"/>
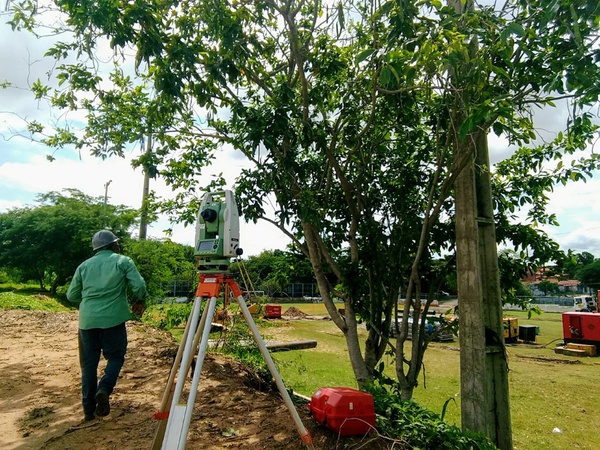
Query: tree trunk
<point x="407" y="392"/>
<point x="361" y="372"/>
<point x="347" y="323"/>
<point x="484" y="375"/>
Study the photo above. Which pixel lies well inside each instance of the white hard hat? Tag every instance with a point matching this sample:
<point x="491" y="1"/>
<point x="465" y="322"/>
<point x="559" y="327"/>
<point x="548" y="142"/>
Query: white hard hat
<point x="103" y="238"/>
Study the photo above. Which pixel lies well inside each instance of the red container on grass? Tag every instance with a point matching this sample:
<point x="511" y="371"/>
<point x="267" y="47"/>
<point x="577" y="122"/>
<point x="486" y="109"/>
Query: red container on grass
<point x="581" y="327"/>
<point x="272" y="311"/>
<point x="345" y="411"/>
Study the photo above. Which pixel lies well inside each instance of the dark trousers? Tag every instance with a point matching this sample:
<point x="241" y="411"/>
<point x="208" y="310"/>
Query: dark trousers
<point x="112" y="343"/>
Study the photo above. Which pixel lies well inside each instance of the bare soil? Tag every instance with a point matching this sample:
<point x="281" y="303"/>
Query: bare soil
<point x="40" y="404"/>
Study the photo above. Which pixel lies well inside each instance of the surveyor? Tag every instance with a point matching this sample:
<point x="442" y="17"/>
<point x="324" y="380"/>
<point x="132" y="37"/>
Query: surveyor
<point x="99" y="286"/>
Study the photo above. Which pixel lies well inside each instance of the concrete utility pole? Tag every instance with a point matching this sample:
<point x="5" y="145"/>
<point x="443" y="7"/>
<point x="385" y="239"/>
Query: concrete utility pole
<point x="145" y="192"/>
<point x="105" y="202"/>
<point x="106" y="194"/>
<point x="485" y="404"/>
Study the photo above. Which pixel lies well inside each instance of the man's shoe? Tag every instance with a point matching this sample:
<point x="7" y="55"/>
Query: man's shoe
<point x="102" y="404"/>
<point x="88" y="417"/>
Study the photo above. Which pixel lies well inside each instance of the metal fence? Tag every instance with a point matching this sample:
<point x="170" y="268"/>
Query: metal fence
<point x="178" y="288"/>
<point x="298" y="290"/>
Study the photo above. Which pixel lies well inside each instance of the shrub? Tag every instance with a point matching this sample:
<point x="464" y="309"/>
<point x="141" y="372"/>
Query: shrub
<point x="239" y="343"/>
<point x="418" y="427"/>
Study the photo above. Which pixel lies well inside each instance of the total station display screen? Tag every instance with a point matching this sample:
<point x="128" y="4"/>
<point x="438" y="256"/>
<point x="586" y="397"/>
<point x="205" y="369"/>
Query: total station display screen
<point x="205" y="246"/>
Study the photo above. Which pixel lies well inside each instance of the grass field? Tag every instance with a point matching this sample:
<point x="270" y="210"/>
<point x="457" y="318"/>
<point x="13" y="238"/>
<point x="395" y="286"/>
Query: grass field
<point x="554" y="401"/>
<point x="29" y="300"/>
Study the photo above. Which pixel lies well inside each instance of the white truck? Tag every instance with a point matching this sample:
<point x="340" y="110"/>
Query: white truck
<point x="585" y="303"/>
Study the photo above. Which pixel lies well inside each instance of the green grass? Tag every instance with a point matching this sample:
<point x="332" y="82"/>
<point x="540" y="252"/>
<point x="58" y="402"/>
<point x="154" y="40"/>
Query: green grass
<point x="307" y="370"/>
<point x="547" y="391"/>
<point x="26" y="299"/>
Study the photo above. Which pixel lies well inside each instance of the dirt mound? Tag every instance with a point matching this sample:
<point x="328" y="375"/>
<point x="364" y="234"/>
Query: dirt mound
<point x="41" y="405"/>
<point x="294" y="312"/>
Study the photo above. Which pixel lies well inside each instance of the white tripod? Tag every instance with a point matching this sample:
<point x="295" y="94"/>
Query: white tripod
<point x="175" y="422"/>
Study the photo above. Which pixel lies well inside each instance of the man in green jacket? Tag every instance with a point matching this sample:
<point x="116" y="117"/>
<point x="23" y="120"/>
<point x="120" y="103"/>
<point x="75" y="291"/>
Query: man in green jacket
<point x="99" y="286"/>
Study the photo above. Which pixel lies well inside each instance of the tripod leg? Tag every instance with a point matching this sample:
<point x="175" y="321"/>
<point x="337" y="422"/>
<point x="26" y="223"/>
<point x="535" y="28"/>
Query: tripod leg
<point x="304" y="434"/>
<point x="180" y="415"/>
<point x="168" y="394"/>
<point x="160" y="432"/>
<point x="174" y="414"/>
<point x="197" y="371"/>
<point x="201" y="326"/>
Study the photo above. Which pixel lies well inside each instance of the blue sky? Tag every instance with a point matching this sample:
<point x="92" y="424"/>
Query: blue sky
<point x="25" y="171"/>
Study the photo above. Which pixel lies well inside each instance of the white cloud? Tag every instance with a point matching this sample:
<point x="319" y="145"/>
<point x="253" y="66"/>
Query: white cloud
<point x="89" y="175"/>
<point x="581" y="196"/>
<point x="586" y="241"/>
<point x="578" y="211"/>
<point x="499" y="148"/>
<point x="5" y="205"/>
<point x="38" y="175"/>
<point x="23" y="62"/>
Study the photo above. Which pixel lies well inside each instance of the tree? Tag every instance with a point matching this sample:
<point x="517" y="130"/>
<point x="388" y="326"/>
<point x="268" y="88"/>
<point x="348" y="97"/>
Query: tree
<point x="547" y="287"/>
<point x="273" y="270"/>
<point x="571" y="264"/>
<point x="513" y="269"/>
<point x="568" y="265"/>
<point x="586" y="258"/>
<point x="47" y="242"/>
<point x="266" y="114"/>
<point x="160" y="263"/>
<point x="589" y="275"/>
<point x="362" y="120"/>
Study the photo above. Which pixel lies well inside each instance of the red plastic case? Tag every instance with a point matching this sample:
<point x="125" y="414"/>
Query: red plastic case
<point x="345" y="411"/>
<point x="272" y="311"/>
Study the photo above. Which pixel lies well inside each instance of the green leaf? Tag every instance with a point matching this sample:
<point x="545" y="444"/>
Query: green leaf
<point x="501" y="72"/>
<point x="364" y="55"/>
<point x="498" y="128"/>
<point x="466" y="127"/>
<point x="386" y="75"/>
<point x="512" y="28"/>
<point x="410" y="75"/>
